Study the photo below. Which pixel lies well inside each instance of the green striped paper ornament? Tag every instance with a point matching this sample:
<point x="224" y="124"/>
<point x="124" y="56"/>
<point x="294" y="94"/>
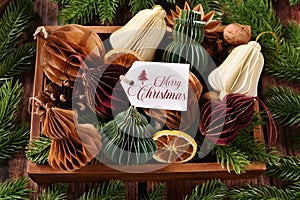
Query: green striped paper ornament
<point x="188" y="34"/>
<point x="127" y="140"/>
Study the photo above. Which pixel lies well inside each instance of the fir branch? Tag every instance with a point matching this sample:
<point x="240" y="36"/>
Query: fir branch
<point x="10" y="96"/>
<point x="259" y="192"/>
<point x="17" y="61"/>
<point x="212" y="189"/>
<point x="15" y="189"/>
<point x="54" y="192"/>
<point x="284" y="105"/>
<point x="107" y="10"/>
<point x="284" y="65"/>
<point x="114" y="190"/>
<point x="232" y="158"/>
<point x="37" y="150"/>
<point x="289" y="169"/>
<point x="157" y="194"/>
<point x="79" y="12"/>
<point x="292" y="34"/>
<point x="14" y="22"/>
<point x="12" y="137"/>
<point x="294" y="188"/>
<point x="12" y="140"/>
<point x="256" y="151"/>
<point x="138" y="5"/>
<point x="259" y="14"/>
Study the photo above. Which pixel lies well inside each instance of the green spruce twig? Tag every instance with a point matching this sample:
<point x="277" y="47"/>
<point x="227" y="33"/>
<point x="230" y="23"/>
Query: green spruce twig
<point x="113" y="190"/>
<point x="210" y="190"/>
<point x="265" y="192"/>
<point x="107" y="10"/>
<point x="158" y="193"/>
<point x="292" y="34"/>
<point x="54" y="192"/>
<point x="232" y="158"/>
<point x="14" y="22"/>
<point x="17" y="61"/>
<point x="289" y="169"/>
<point x="38" y="150"/>
<point x="137" y="5"/>
<point x="12" y="137"/>
<point x="284" y="105"/>
<point x="15" y="189"/>
<point x="79" y="12"/>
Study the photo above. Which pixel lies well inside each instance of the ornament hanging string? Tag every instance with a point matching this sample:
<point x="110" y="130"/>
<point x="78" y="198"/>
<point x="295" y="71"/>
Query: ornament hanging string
<point x="272" y="138"/>
<point x="39" y="30"/>
<point x="274" y="35"/>
<point x="69" y="59"/>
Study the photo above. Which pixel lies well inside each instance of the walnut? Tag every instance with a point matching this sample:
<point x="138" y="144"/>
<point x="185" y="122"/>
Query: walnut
<point x="237" y="34"/>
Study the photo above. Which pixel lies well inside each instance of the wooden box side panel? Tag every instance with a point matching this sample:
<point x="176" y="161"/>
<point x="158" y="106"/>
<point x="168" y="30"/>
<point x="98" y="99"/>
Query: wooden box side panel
<point x="46" y="174"/>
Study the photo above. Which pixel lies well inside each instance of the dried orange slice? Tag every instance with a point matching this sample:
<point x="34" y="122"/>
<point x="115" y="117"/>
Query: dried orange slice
<point x="174" y="146"/>
<point x="124" y="57"/>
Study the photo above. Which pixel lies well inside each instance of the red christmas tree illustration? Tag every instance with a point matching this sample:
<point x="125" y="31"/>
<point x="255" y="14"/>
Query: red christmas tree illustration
<point x="143" y="76"/>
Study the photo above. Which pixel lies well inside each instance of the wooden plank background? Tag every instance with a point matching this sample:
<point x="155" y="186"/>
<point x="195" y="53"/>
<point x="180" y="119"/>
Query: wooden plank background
<point x="46" y="13"/>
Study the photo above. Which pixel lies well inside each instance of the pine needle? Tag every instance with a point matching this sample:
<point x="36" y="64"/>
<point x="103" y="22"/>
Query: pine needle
<point x="15" y="189"/>
<point x="107" y="10"/>
<point x="263" y="193"/>
<point x="211" y="190"/>
<point x="257" y="151"/>
<point x="289" y="169"/>
<point x="54" y="192"/>
<point x="17" y="61"/>
<point x="284" y="105"/>
<point x="10" y="97"/>
<point x="138" y="5"/>
<point x="12" y="137"/>
<point x="113" y="190"/>
<point x="38" y="150"/>
<point x="79" y="12"/>
<point x="292" y="34"/>
<point x="14" y="22"/>
<point x="13" y="141"/>
<point x="158" y="193"/>
<point x="232" y="158"/>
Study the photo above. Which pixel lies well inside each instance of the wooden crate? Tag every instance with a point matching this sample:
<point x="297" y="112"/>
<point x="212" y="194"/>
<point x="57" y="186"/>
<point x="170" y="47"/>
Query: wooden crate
<point x="184" y="171"/>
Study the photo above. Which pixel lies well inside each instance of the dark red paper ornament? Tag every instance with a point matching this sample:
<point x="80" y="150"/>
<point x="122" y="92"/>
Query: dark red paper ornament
<point x="243" y="107"/>
<point x="221" y="120"/>
<point x="103" y="90"/>
<point x="218" y="122"/>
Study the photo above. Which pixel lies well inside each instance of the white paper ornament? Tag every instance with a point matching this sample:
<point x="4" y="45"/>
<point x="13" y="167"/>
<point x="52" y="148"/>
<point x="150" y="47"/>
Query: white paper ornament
<point x="240" y="72"/>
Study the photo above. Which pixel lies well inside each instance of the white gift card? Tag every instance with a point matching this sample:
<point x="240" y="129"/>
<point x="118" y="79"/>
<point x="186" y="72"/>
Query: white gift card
<point x="157" y="85"/>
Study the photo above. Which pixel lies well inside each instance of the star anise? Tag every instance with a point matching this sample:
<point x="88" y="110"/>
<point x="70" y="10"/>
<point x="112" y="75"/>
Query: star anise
<point x="212" y="27"/>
